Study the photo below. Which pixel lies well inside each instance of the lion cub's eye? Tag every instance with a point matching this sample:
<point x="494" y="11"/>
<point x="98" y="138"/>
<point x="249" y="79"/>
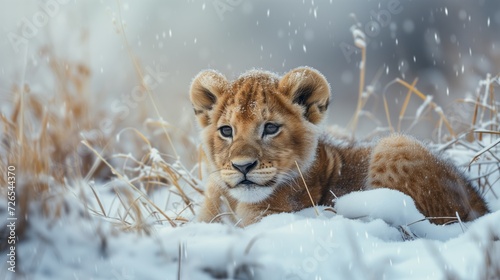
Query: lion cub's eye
<point x="226" y="131"/>
<point x="270" y="129"/>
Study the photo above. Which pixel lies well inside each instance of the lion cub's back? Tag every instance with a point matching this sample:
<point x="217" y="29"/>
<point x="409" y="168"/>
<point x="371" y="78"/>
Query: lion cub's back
<point x="438" y="188"/>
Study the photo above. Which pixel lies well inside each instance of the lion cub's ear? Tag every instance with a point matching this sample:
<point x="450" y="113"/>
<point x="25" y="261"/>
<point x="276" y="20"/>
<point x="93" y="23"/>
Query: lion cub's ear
<point x="307" y="87"/>
<point x="206" y="88"/>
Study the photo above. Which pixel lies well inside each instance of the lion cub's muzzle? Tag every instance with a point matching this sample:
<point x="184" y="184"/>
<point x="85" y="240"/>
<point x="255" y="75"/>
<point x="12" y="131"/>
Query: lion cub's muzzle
<point x="248" y="172"/>
<point x="249" y="180"/>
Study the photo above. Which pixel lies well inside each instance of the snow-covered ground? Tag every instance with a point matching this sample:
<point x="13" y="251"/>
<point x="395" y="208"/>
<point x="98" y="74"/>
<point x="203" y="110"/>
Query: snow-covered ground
<point x="376" y="234"/>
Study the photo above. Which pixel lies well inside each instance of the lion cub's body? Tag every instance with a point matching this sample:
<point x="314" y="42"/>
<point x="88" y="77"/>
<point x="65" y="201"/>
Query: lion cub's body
<point x="258" y="129"/>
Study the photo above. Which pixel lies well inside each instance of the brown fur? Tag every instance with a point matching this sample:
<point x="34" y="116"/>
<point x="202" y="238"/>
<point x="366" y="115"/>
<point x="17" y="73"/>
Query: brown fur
<point x="297" y="103"/>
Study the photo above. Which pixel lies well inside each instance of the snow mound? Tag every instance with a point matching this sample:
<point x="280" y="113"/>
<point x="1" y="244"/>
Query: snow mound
<point x="397" y="209"/>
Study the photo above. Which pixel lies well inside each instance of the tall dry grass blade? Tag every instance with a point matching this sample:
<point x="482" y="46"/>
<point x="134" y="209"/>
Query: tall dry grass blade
<point x="359" y="42"/>
<point x="92" y="170"/>
<point x="485" y="96"/>
<point x="410" y="88"/>
<point x="307" y="189"/>
<point x="486" y="131"/>
<point x="98" y="201"/>
<point x="133" y="206"/>
<point x="388" y="114"/>
<point x="22" y="91"/>
<point x="405" y="103"/>
<point x="178" y="217"/>
<point x="138" y="133"/>
<point x="493" y="113"/>
<point x="484" y="150"/>
<point x="474" y="117"/>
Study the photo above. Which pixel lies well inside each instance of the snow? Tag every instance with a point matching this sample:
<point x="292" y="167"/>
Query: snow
<point x="361" y="239"/>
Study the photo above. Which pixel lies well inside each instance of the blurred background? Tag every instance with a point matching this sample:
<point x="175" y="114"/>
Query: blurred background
<point x="448" y="45"/>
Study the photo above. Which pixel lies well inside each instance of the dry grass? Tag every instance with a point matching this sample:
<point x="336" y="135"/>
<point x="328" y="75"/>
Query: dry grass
<point x="57" y="147"/>
<point x="307" y="189"/>
<point x="41" y="139"/>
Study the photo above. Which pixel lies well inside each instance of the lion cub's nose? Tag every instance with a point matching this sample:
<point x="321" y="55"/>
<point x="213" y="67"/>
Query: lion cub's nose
<point x="244" y="166"/>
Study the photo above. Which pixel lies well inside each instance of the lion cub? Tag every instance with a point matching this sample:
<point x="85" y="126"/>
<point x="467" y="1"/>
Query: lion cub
<point x="257" y="129"/>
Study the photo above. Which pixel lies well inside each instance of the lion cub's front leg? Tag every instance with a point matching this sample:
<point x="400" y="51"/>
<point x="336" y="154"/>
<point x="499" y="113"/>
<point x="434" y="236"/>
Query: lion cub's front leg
<point x="252" y="213"/>
<point x="216" y="205"/>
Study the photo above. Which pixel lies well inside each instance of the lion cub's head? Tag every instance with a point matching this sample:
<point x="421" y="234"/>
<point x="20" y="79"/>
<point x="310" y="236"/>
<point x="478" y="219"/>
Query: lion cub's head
<point x="255" y="128"/>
